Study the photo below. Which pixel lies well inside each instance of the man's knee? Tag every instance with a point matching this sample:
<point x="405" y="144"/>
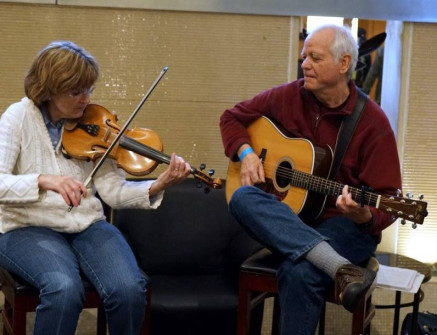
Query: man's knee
<point x="240" y="194"/>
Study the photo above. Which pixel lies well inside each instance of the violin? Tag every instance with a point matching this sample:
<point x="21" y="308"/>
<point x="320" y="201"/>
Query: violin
<point x="138" y="151"/>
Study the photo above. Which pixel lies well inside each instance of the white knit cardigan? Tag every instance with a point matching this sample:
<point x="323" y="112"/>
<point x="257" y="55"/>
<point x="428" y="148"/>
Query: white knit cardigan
<point x="26" y="151"/>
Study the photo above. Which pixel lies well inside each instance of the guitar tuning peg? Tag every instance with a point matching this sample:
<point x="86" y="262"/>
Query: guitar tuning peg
<point x="398" y="192"/>
<point x="211" y="172"/>
<point x="421" y="196"/>
<point x="414" y="225"/>
<point x="409" y="195"/>
<point x="202" y="166"/>
<point x="403" y="222"/>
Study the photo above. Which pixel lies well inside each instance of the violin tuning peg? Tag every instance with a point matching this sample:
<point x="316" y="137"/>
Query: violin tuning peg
<point x="211" y="172"/>
<point x="202" y="166"/>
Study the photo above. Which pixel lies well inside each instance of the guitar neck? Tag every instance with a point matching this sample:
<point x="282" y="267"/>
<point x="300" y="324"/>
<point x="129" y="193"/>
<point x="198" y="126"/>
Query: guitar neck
<point x="325" y="186"/>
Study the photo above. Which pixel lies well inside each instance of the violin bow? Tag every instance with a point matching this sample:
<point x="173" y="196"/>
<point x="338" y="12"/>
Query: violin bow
<point x="129" y="120"/>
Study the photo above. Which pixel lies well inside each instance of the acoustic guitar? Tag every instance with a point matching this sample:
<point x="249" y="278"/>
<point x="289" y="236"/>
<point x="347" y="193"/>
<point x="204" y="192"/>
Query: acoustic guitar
<point x="296" y="173"/>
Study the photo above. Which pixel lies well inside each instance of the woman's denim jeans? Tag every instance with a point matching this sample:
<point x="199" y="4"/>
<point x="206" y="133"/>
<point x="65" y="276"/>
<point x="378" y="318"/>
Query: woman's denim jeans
<point x="52" y="262"/>
<point x="302" y="286"/>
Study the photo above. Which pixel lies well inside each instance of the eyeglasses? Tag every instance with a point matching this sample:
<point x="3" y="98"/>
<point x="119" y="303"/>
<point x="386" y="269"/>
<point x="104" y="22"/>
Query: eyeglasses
<point x="78" y="94"/>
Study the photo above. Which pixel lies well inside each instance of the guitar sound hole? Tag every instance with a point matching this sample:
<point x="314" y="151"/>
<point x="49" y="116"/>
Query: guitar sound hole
<point x="283" y="174"/>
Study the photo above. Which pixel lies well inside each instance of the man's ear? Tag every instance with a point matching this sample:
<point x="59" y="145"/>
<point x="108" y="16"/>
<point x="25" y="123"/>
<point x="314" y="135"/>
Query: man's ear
<point x="345" y="63"/>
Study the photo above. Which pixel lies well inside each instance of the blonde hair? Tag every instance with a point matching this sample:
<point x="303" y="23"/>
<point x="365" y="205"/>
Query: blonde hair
<point x="60" y="67"/>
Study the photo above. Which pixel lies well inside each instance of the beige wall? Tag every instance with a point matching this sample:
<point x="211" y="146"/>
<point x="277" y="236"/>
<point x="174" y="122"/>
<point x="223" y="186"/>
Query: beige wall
<point x="214" y="60"/>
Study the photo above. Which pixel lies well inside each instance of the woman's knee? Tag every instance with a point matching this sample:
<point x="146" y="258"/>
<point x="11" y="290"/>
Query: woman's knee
<point x="63" y="291"/>
<point x="130" y="293"/>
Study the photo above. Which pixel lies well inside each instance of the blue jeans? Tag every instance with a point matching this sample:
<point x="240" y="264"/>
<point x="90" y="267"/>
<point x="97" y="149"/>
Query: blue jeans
<point x="302" y="286"/>
<point x="52" y="262"/>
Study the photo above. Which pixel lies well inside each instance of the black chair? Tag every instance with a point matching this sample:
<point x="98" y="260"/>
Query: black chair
<point x="191" y="248"/>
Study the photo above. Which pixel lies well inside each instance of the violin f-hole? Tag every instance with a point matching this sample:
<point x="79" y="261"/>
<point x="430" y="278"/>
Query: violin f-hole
<point x="92" y="129"/>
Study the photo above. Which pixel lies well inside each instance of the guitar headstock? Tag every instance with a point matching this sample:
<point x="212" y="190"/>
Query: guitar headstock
<point x="405" y="208"/>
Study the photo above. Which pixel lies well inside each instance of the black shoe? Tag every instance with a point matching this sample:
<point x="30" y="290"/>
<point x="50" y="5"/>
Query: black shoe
<point x="351" y="285"/>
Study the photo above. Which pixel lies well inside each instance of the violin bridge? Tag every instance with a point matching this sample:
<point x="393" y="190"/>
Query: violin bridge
<point x="106" y="136"/>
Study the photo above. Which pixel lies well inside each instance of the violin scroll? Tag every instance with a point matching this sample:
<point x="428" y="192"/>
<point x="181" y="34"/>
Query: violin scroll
<point x="215" y="183"/>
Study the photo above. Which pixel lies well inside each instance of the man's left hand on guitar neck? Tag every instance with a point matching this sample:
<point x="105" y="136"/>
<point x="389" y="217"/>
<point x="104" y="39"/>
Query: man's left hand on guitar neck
<point x="361" y="215"/>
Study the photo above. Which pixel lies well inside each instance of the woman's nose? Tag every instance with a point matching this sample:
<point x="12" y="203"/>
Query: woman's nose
<point x="85" y="98"/>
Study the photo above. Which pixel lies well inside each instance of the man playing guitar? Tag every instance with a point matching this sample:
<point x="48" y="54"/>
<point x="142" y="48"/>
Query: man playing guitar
<point x="326" y="247"/>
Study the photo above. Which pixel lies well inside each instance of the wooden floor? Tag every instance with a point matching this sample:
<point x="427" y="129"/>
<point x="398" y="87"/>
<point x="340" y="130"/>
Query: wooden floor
<point x="338" y="320"/>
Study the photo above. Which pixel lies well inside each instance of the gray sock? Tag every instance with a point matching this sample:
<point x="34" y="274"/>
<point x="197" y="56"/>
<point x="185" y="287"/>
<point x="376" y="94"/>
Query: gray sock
<point x="324" y="257"/>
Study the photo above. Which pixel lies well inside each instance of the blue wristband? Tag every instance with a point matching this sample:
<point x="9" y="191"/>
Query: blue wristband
<point x="245" y="152"/>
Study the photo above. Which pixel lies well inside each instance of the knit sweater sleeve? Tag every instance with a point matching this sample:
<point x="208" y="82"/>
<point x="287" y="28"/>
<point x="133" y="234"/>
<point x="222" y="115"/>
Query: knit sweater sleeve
<point x="117" y="192"/>
<point x="14" y="188"/>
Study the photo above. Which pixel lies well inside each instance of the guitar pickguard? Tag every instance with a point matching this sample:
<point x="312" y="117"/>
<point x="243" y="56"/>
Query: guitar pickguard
<point x="269" y="187"/>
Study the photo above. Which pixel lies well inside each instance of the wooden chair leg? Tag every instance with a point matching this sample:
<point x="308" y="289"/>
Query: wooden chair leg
<point x="101" y="321"/>
<point x="358" y="319"/>
<point x="361" y="319"/>
<point x="7" y="318"/>
<point x="19" y="317"/>
<point x="145" y="330"/>
<point x="322" y="320"/>
<point x="243" y="308"/>
<point x="276" y="316"/>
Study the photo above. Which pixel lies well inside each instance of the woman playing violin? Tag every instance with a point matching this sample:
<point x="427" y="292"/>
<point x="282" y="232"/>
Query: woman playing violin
<point x="40" y="240"/>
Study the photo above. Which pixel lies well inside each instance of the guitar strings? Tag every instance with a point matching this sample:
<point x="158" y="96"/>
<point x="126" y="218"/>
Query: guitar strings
<point x="302" y="179"/>
<point x="315" y="183"/>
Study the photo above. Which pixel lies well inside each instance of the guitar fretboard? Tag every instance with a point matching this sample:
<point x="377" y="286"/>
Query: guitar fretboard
<point x="325" y="186"/>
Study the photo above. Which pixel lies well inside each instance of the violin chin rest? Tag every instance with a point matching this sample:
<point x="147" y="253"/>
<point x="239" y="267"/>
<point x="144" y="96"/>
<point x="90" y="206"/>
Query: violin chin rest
<point x="70" y="124"/>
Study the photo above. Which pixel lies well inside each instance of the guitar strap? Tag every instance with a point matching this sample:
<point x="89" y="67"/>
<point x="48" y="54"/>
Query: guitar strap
<point x="346" y="132"/>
